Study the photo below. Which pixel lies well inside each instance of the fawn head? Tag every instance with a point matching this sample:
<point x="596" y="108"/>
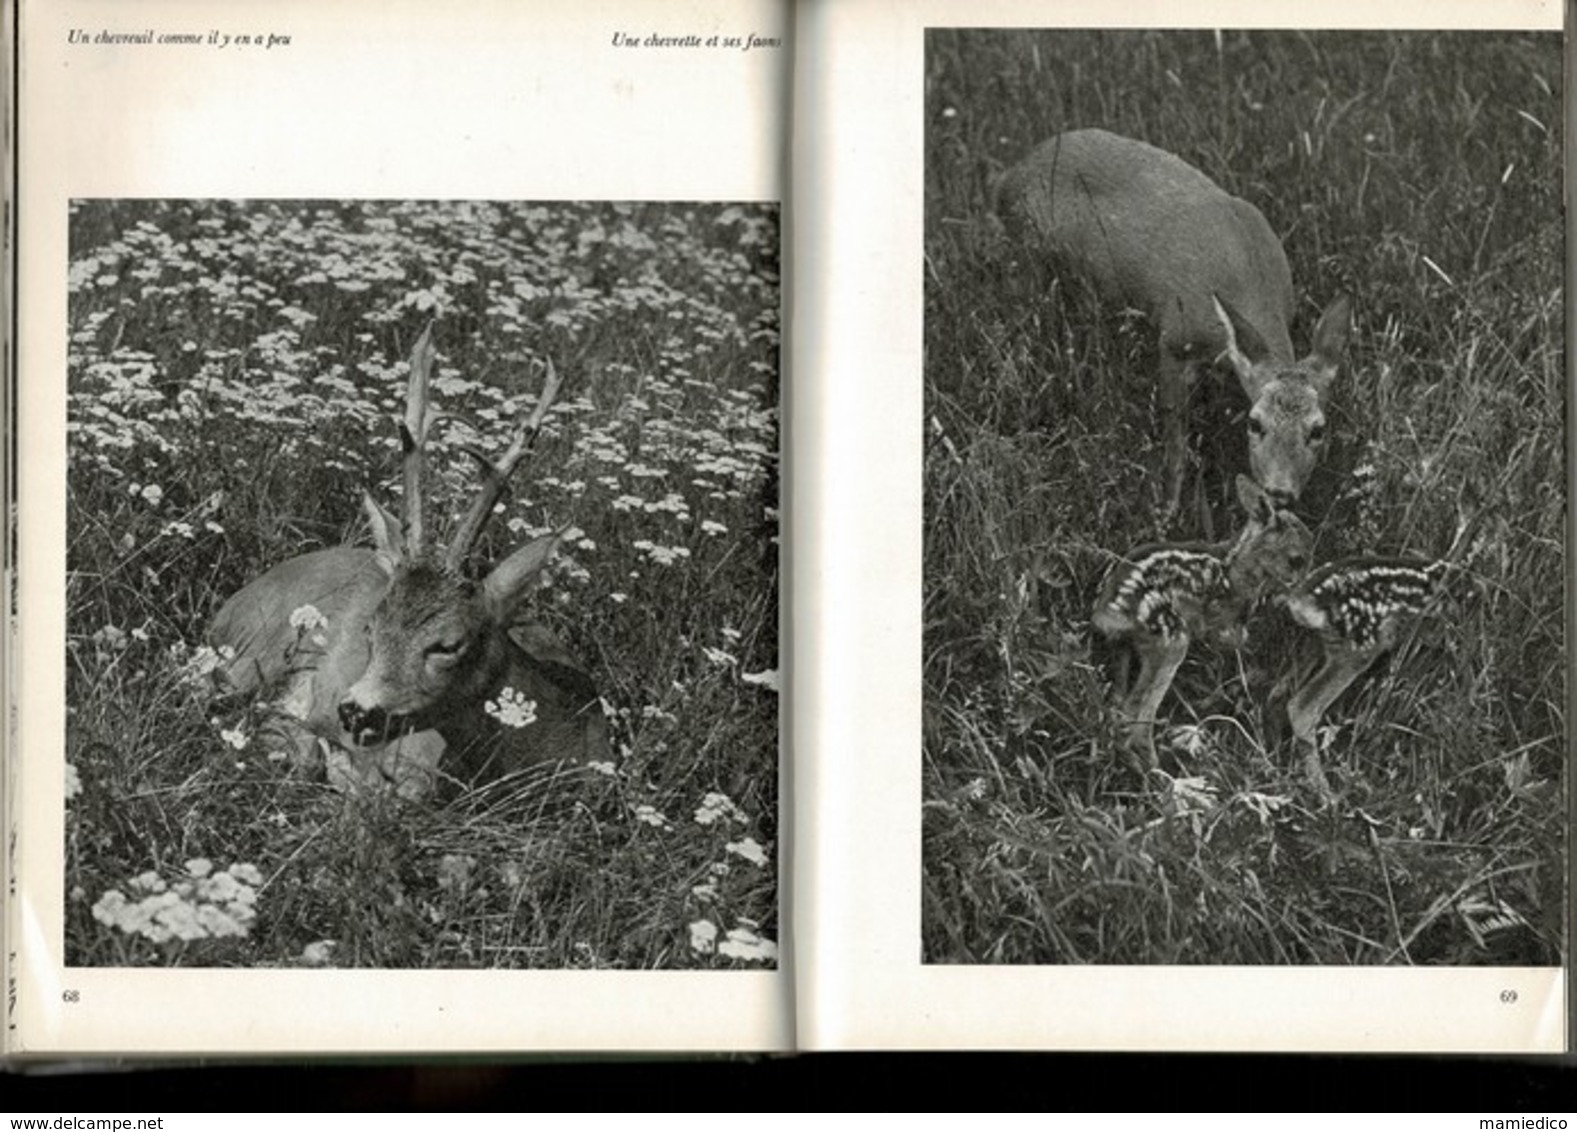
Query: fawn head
<point x="1286" y="422"/>
<point x="1271" y="554"/>
<point x="1187" y="590"/>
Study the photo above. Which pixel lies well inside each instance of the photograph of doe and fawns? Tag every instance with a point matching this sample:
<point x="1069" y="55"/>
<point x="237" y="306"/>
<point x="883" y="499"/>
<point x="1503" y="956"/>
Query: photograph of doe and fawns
<point x="423" y="585"/>
<point x="1244" y="498"/>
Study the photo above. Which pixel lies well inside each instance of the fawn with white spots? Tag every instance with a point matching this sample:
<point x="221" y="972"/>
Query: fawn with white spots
<point x="1160" y="598"/>
<point x="1358" y="607"/>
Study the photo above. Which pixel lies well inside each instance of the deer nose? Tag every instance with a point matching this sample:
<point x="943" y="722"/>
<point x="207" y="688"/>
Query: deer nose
<point x="364" y="726"/>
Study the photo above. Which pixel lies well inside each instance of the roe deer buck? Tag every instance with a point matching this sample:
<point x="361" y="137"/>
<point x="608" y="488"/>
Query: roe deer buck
<point x="1161" y="597"/>
<point x="400" y="657"/>
<point x="1152" y="232"/>
<point x="1358" y="607"/>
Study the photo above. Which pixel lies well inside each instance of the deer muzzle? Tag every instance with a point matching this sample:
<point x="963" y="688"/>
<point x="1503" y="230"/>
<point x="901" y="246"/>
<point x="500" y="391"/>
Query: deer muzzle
<point x="368" y="727"/>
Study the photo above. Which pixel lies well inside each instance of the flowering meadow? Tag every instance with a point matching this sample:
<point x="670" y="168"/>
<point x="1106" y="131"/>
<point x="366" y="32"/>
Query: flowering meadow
<point x="236" y="370"/>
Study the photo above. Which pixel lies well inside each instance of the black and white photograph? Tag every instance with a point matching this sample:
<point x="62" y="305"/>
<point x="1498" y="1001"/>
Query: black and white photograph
<point x="1244" y="499"/>
<point x="743" y="528"/>
<point x="422" y="584"/>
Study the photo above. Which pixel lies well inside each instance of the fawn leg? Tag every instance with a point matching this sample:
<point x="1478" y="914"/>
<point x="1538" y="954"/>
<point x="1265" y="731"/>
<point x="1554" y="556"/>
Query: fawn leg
<point x="1343" y="664"/>
<point x="1159" y="659"/>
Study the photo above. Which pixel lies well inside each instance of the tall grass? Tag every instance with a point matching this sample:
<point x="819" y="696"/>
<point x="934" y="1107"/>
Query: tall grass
<point x="236" y="369"/>
<point x="1420" y="174"/>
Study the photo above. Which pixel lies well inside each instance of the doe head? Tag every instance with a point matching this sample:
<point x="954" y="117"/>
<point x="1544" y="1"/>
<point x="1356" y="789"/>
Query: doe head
<point x="1286" y="420"/>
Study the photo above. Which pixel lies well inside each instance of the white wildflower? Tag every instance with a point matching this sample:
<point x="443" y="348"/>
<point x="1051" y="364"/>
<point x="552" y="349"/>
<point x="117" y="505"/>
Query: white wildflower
<point x="749" y="849"/>
<point x="512" y="709"/>
<point x="703" y="937"/>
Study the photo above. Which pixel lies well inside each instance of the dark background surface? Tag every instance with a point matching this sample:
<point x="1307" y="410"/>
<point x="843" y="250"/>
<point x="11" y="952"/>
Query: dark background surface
<point x="1054" y="1082"/>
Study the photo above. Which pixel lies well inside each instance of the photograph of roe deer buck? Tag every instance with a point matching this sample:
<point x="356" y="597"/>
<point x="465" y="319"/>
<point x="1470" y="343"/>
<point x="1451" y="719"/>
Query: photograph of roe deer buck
<point x="1233" y="654"/>
<point x="422" y="592"/>
<point x="394" y="651"/>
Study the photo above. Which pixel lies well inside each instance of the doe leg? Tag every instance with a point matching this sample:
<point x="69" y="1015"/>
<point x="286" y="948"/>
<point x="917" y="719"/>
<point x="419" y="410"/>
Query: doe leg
<point x="1175" y="381"/>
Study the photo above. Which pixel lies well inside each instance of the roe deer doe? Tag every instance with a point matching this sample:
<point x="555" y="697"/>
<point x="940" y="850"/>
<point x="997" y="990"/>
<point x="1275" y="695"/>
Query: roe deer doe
<point x="1358" y="607"/>
<point x="1152" y="232"/>
<point x="392" y="656"/>
<point x="1161" y="597"/>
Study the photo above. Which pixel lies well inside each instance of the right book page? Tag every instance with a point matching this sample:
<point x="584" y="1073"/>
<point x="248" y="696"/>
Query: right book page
<point x="1188" y="494"/>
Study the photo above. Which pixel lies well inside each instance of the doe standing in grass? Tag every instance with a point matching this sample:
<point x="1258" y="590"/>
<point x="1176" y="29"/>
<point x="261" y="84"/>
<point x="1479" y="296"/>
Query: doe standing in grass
<point x="1152" y="232"/>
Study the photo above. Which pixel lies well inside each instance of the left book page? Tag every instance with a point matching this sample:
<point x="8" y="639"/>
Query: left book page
<point x="398" y="510"/>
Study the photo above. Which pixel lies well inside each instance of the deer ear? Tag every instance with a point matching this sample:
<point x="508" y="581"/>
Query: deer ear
<point x="504" y="588"/>
<point x="1254" y="500"/>
<point x="388" y="536"/>
<point x="1330" y="341"/>
<point x="1239" y="356"/>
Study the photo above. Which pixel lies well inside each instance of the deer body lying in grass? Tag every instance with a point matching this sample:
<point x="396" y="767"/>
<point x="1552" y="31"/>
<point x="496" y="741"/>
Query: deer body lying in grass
<point x="1359" y="608"/>
<point x="1150" y="231"/>
<point x="1162" y="597"/>
<point x="388" y="658"/>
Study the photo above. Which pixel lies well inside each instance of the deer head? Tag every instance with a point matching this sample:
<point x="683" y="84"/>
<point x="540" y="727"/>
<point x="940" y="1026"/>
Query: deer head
<point x="438" y="645"/>
<point x="1286" y="421"/>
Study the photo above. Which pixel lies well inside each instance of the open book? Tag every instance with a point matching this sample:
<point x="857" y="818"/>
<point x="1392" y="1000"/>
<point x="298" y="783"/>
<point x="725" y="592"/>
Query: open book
<point x="767" y="714"/>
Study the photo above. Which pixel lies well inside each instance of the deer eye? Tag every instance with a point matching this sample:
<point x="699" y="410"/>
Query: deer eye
<point x="1256" y="427"/>
<point x="444" y="651"/>
<point x="1317" y="433"/>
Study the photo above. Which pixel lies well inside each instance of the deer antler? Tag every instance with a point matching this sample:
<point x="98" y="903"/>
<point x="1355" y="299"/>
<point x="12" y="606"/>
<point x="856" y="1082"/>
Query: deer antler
<point x="413" y="437"/>
<point x="496" y="475"/>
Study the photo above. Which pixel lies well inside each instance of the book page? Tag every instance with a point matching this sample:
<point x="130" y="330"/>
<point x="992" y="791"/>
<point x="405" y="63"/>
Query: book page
<point x="304" y="767"/>
<point x="1271" y="837"/>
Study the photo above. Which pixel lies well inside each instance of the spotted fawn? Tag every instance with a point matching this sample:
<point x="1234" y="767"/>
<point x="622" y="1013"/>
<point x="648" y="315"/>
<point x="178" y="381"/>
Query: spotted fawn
<point x="1359" y="608"/>
<point x="1161" y="597"/>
